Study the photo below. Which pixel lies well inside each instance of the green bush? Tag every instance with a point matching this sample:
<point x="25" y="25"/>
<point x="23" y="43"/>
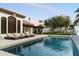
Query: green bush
<point x="57" y="33"/>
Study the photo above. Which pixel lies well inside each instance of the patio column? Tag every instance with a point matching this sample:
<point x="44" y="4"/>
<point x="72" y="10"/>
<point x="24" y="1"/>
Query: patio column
<point x="6" y="25"/>
<point x="21" y="26"/>
<point x="16" y="26"/>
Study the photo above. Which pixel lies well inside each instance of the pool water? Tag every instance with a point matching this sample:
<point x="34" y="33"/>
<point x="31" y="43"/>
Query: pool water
<point x="48" y="46"/>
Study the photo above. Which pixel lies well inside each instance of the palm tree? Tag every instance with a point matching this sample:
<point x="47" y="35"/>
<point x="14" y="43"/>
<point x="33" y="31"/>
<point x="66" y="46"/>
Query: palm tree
<point x="77" y="11"/>
<point x="77" y="16"/>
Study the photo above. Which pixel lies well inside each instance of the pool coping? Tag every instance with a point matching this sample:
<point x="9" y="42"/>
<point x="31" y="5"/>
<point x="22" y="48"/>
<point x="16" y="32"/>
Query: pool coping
<point x="76" y="41"/>
<point x="3" y="53"/>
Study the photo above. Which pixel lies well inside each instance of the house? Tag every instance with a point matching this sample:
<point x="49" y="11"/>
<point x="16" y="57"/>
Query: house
<point x="12" y="22"/>
<point x="46" y="29"/>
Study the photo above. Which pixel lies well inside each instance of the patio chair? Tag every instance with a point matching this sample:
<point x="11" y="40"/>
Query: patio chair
<point x="17" y="35"/>
<point x="23" y="35"/>
<point x="30" y="35"/>
<point x="12" y="36"/>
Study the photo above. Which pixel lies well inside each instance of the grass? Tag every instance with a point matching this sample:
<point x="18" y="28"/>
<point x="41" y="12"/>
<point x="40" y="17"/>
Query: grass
<point x="57" y="33"/>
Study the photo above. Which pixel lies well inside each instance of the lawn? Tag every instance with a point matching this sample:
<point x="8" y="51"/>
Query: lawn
<point x="58" y="33"/>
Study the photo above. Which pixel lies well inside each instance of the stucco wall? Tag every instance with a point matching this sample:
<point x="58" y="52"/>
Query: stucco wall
<point x="28" y="29"/>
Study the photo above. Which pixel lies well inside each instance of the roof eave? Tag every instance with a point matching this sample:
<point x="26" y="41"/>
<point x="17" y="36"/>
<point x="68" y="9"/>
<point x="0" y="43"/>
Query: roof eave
<point x="11" y="13"/>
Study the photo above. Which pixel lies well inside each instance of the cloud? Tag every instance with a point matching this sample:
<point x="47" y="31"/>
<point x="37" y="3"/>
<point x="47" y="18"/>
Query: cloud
<point x="39" y="5"/>
<point x="52" y="9"/>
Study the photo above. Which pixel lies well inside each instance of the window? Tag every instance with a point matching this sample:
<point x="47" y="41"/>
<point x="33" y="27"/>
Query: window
<point x="11" y="24"/>
<point x="18" y="26"/>
<point x="3" y="25"/>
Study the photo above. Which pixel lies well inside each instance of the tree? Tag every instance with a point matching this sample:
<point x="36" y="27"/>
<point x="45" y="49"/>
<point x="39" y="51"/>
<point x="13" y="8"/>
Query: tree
<point x="77" y="11"/>
<point x="77" y="16"/>
<point x="57" y="22"/>
<point x="49" y="23"/>
<point x="40" y="21"/>
<point x="67" y="22"/>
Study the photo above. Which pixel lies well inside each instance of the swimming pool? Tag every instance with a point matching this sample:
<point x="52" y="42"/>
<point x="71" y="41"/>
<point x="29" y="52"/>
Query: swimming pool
<point x="49" y="46"/>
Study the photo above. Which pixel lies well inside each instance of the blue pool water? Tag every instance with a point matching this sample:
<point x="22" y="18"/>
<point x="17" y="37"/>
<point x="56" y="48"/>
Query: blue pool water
<point x="49" y="46"/>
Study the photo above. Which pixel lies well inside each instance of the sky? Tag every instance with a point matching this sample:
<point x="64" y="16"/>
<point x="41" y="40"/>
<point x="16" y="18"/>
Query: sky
<point x="42" y="11"/>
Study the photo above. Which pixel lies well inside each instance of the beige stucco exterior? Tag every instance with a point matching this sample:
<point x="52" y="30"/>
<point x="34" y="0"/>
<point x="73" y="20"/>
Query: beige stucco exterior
<point x="28" y="30"/>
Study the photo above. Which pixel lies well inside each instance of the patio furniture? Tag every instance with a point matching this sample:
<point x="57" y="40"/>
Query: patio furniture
<point x="30" y="35"/>
<point x="12" y="36"/>
<point x="23" y="35"/>
<point x="15" y="36"/>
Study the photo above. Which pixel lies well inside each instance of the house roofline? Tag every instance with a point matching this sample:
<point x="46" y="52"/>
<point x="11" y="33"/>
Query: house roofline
<point x="11" y="12"/>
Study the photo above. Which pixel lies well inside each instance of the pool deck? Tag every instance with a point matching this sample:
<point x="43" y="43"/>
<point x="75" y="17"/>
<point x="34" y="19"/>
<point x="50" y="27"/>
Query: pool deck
<point x="8" y="43"/>
<point x="76" y="41"/>
<point x="3" y="53"/>
<point x="4" y="43"/>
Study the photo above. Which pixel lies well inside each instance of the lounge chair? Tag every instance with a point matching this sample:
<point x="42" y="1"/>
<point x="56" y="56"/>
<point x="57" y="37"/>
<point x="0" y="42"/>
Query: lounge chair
<point x="30" y="35"/>
<point x="23" y="35"/>
<point x="15" y="36"/>
<point x="12" y="36"/>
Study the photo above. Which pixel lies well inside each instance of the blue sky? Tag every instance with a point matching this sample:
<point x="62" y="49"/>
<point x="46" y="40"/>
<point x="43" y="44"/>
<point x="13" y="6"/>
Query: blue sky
<point x="42" y="11"/>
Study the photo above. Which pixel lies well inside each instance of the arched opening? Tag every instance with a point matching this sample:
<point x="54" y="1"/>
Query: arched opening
<point x="3" y="25"/>
<point x="19" y="26"/>
<point x="11" y="24"/>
